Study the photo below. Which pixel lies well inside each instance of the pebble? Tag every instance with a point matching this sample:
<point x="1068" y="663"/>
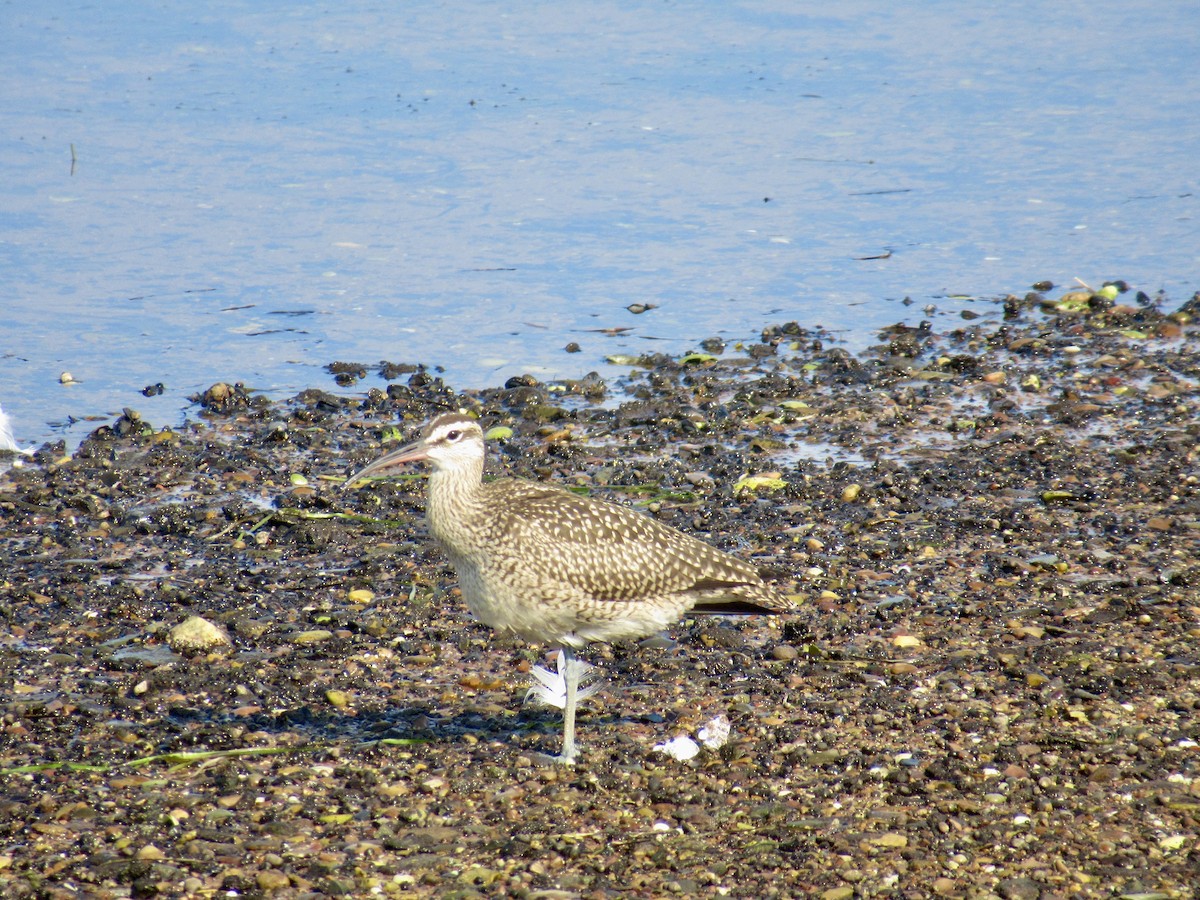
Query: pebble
<point x="1019" y="889"/>
<point x="271" y="880"/>
<point x="218" y="393"/>
<point x="313" y="636"/>
<point x="196" y="634"/>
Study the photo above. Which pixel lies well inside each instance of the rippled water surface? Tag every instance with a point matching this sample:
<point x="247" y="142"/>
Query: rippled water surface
<point x="248" y="191"/>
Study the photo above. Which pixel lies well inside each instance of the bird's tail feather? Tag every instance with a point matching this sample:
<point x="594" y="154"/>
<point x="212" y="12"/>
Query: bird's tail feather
<point x="742" y="600"/>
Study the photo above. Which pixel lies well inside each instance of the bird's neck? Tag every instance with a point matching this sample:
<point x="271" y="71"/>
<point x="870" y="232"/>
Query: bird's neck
<point x="455" y="497"/>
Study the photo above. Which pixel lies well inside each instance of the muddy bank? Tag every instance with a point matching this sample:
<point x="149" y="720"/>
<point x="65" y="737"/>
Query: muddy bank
<point x="990" y="690"/>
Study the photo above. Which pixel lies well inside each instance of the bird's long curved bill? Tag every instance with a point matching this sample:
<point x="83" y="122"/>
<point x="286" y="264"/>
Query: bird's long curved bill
<point x="408" y="453"/>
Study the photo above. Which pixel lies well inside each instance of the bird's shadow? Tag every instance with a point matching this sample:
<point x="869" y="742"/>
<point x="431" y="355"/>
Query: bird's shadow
<point x="526" y="727"/>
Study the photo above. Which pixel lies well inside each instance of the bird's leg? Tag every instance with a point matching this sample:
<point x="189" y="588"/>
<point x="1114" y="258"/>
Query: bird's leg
<point x="570" y="675"/>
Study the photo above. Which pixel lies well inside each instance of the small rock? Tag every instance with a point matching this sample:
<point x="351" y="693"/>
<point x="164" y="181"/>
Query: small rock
<point x="1019" y="889"/>
<point x="1036" y="632"/>
<point x="824" y="757"/>
<point x="223" y="397"/>
<point x="150" y="852"/>
<point x="313" y="636"/>
<point x="479" y="876"/>
<point x="218" y="393"/>
<point x="196" y="634"/>
<point x="784" y="652"/>
<point x="271" y="880"/>
<point x="1103" y="773"/>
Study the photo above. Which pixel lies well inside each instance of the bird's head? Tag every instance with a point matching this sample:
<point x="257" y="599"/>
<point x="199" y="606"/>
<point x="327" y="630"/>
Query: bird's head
<point x="451" y="441"/>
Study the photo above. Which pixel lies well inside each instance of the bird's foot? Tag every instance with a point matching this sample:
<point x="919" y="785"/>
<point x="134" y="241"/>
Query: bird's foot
<point x="552" y="759"/>
<point x="570" y="752"/>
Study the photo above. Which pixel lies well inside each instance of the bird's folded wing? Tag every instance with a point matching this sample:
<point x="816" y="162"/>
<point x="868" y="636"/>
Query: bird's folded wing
<point x="611" y="552"/>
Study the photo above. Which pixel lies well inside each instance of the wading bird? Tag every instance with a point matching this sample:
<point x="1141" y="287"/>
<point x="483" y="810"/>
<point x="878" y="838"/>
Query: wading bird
<point x="549" y="565"/>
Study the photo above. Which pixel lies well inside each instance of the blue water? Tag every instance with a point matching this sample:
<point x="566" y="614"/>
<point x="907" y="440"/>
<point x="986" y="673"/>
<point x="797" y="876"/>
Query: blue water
<point x="261" y="188"/>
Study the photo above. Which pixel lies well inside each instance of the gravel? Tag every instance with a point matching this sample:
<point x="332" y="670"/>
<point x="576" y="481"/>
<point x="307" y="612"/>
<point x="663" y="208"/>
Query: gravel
<point x="991" y="688"/>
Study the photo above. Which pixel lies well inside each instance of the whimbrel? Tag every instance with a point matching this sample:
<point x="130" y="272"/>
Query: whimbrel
<point x="549" y="565"/>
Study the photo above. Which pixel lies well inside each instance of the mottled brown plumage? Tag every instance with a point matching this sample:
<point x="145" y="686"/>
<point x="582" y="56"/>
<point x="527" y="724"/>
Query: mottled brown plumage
<point x="548" y="565"/>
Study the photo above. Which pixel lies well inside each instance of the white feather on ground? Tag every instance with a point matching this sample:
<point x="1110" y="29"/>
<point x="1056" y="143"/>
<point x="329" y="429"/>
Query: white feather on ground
<point x="552" y="690"/>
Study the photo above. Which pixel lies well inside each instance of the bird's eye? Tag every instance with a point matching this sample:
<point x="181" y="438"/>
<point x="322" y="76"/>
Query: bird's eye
<point x="453" y="435"/>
